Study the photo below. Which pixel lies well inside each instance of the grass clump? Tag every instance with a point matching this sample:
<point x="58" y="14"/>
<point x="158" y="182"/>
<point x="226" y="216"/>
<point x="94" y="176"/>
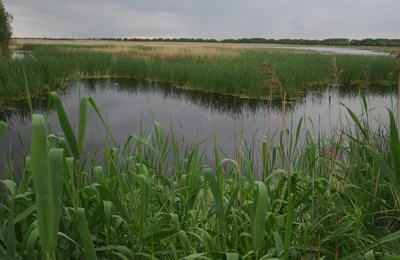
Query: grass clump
<point x="139" y="204"/>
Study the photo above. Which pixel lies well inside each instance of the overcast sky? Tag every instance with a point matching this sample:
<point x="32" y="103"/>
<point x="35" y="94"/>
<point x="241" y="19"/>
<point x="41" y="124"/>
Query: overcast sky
<point x="206" y="18"/>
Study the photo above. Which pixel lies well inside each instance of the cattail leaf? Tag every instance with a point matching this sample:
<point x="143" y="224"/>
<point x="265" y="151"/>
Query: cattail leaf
<point x="82" y="123"/>
<point x="65" y="124"/>
<point x="56" y="171"/>
<point x="395" y="148"/>
<point x="218" y="199"/>
<point x="289" y="224"/>
<point x="43" y="185"/>
<point x="381" y="163"/>
<point x="357" y="121"/>
<point x="260" y="215"/>
<point x="85" y="234"/>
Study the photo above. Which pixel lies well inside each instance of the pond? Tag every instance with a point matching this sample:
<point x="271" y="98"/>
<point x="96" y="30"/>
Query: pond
<point x="130" y="107"/>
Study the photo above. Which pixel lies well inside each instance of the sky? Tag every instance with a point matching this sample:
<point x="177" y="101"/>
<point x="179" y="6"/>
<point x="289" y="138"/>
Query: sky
<point x="313" y="19"/>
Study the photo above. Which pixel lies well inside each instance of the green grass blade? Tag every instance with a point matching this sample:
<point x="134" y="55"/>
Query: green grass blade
<point x="381" y="163"/>
<point x="218" y="199"/>
<point x="260" y="215"/>
<point x="82" y="123"/>
<point x="65" y="125"/>
<point x="357" y="121"/>
<point x="288" y="224"/>
<point x="279" y="247"/>
<point x="43" y="186"/>
<point x="232" y="256"/>
<point x="265" y="160"/>
<point x="218" y="165"/>
<point x="96" y="109"/>
<point x="56" y="171"/>
<point x="28" y="95"/>
<point x="85" y="234"/>
<point x="395" y="148"/>
<point x="11" y="238"/>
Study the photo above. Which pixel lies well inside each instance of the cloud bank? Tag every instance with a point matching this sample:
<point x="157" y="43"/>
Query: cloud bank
<point x="206" y="18"/>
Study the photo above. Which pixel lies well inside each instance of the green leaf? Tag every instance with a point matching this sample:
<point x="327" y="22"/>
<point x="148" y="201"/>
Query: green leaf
<point x="232" y="256"/>
<point x="65" y="125"/>
<point x="218" y="199"/>
<point x="381" y="163"/>
<point x="56" y="171"/>
<point x="260" y="216"/>
<point x="288" y="224"/>
<point x="395" y="148"/>
<point x="357" y="122"/>
<point x="43" y="186"/>
<point x="85" y="234"/>
<point x="280" y="249"/>
<point x="82" y="123"/>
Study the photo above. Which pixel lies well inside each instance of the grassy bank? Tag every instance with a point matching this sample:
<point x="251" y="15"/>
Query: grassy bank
<point x="234" y="71"/>
<point x="333" y="198"/>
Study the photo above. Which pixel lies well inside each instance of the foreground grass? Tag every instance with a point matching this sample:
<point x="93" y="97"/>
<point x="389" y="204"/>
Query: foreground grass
<point x="327" y="198"/>
<point x="232" y="71"/>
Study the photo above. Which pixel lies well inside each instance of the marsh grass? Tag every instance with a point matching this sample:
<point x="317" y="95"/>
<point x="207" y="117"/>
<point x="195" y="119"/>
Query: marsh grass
<point x="228" y="71"/>
<point x="135" y="205"/>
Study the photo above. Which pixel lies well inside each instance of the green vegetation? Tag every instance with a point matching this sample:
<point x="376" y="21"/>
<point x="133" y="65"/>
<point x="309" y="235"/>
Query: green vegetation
<point x="5" y="30"/>
<point x="333" y="198"/>
<point x="47" y="67"/>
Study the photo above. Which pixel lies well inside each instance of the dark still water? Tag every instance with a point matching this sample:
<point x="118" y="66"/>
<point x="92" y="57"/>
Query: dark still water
<point x="130" y="107"/>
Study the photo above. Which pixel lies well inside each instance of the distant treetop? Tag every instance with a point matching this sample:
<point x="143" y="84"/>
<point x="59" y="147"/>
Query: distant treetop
<point x="5" y="29"/>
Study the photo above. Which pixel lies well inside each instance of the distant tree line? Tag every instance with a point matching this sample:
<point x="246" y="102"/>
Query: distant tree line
<point x="330" y="41"/>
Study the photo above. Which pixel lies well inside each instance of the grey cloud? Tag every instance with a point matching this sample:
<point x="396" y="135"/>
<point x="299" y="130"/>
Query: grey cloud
<point x="206" y="18"/>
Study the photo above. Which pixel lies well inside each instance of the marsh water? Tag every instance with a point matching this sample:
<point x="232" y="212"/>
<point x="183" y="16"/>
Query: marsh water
<point x="131" y="107"/>
<point x="329" y="49"/>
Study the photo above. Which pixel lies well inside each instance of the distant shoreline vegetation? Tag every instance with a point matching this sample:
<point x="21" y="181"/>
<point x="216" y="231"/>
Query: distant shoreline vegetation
<point x="328" y="42"/>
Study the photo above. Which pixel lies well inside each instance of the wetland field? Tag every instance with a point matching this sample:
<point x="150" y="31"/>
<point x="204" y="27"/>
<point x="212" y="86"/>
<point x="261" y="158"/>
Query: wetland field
<point x="146" y="150"/>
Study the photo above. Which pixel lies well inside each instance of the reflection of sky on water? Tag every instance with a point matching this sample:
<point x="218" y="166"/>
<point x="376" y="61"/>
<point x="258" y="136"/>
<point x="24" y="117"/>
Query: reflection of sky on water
<point x="129" y="106"/>
<point x="328" y="49"/>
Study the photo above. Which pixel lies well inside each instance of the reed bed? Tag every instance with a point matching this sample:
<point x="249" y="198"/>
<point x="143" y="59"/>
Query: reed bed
<point x="171" y="51"/>
<point x="296" y="201"/>
<point x="231" y="71"/>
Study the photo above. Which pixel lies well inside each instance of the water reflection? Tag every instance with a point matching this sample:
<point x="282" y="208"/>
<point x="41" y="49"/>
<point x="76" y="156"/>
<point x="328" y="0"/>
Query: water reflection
<point x="130" y="107"/>
<point x="330" y="50"/>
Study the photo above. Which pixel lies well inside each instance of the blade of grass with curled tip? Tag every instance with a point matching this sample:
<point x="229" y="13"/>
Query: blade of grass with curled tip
<point x="65" y="124"/>
<point x="43" y="186"/>
<point x="3" y="128"/>
<point x="96" y="109"/>
<point x="85" y="234"/>
<point x="260" y="215"/>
